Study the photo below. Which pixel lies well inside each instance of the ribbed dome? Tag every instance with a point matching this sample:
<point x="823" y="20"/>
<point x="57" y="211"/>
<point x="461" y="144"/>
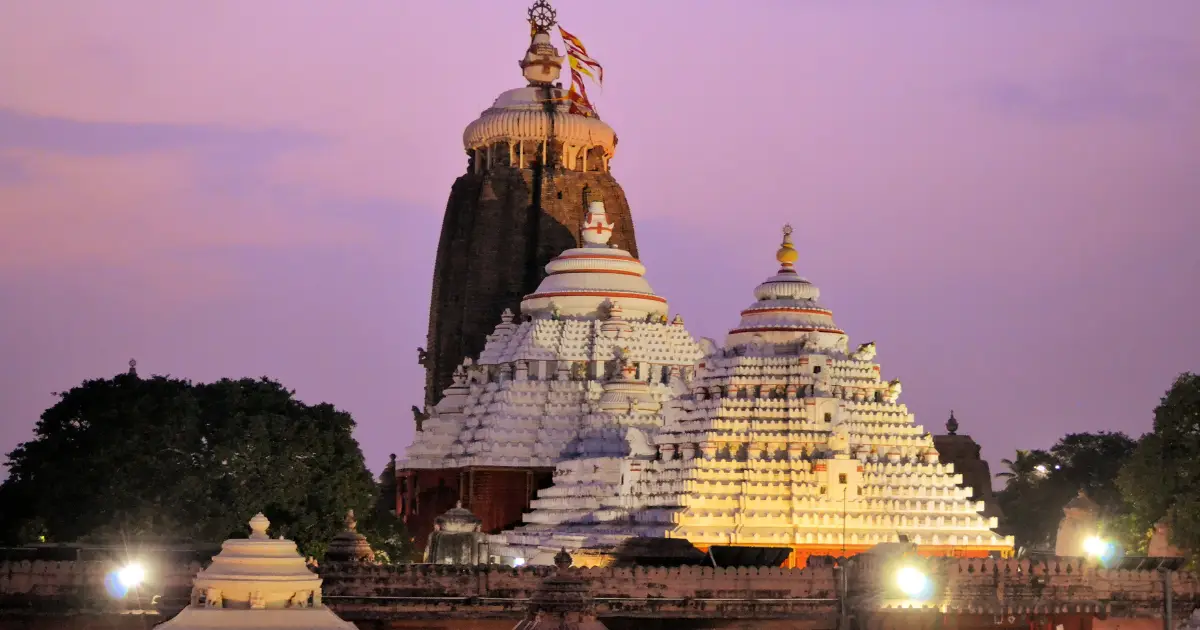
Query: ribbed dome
<point x="521" y="114"/>
<point x="787" y="309"/>
<point x="540" y="110"/>
<point x="583" y="281"/>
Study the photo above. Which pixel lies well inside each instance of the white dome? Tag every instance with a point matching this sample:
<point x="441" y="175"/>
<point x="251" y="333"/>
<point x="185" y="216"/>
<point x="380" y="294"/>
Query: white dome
<point x="787" y="310"/>
<point x="584" y="281"/>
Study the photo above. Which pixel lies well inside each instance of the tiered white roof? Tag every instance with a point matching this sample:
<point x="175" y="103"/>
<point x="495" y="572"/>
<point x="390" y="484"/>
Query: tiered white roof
<point x="784" y="438"/>
<point x="531" y="397"/>
<point x="257" y="582"/>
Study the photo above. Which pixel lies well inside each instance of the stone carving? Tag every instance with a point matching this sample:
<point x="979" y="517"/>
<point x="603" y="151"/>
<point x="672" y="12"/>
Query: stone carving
<point x="839" y="442"/>
<point x="212" y="598"/>
<point x="422" y="357"/>
<point x="639" y="443"/>
<point x="893" y="391"/>
<point x="823" y="385"/>
<point x="708" y="347"/>
<point x="865" y="352"/>
<point x="258" y="601"/>
<point x="419" y="417"/>
<point x="459" y="377"/>
<point x="301" y="599"/>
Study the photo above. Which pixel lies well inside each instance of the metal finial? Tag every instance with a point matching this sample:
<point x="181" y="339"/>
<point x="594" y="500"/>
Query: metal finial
<point x="952" y="424"/>
<point x="133" y="366"/>
<point x="542" y="16"/>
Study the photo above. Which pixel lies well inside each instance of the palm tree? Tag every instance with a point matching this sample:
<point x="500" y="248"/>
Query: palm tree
<point x="1026" y="468"/>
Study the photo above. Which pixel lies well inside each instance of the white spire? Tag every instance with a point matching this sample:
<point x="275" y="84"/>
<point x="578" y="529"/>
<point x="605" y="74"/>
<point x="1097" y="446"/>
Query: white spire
<point x="596" y="228"/>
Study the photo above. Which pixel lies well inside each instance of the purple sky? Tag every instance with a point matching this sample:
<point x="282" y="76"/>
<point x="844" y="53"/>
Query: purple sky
<point x="1004" y="195"/>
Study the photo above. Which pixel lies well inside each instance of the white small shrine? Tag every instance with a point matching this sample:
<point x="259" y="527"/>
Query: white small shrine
<point x="258" y="583"/>
<point x="784" y="437"/>
<point x="532" y="396"/>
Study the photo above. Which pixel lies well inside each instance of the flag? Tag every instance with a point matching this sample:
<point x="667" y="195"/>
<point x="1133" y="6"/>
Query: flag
<point x="581" y="64"/>
<point x="578" y="54"/>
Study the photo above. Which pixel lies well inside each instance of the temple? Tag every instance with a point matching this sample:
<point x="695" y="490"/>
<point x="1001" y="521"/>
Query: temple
<point x="784" y="438"/>
<point x="534" y="160"/>
<point x="592" y="358"/>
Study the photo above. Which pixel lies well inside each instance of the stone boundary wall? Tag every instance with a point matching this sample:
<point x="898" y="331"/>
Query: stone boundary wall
<point x="976" y="585"/>
<point x="72" y="584"/>
<point x="429" y="581"/>
<point x="986" y="585"/>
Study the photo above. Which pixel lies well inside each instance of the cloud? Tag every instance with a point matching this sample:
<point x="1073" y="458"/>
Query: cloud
<point x="25" y="131"/>
<point x="11" y="170"/>
<point x="161" y="196"/>
<point x="1130" y="80"/>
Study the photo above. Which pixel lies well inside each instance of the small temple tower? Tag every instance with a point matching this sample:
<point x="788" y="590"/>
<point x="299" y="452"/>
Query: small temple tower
<point x="964" y="453"/>
<point x="1081" y="520"/>
<point x="257" y="582"/>
<point x="456" y="539"/>
<point x="584" y="372"/>
<point x="533" y="163"/>
<point x="349" y="545"/>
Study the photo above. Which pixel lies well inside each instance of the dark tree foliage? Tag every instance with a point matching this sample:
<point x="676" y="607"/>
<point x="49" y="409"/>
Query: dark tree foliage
<point x="1162" y="478"/>
<point x="1039" y="484"/>
<point x="384" y="530"/>
<point x="165" y="459"/>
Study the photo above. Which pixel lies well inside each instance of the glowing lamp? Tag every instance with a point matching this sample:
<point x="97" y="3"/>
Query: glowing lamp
<point x="1096" y="547"/>
<point x="912" y="582"/>
<point x="131" y="575"/>
<point x="518" y="562"/>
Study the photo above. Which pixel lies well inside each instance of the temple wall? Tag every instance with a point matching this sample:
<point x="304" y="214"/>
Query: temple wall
<point x="83" y="581"/>
<point x="349" y="580"/>
<point x="975" y="593"/>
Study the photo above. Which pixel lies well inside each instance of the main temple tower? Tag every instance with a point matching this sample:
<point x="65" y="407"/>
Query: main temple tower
<point x="534" y="161"/>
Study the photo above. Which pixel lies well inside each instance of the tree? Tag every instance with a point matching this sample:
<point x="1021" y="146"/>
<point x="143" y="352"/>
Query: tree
<point x="384" y="530"/>
<point x="161" y="458"/>
<point x="1162" y="478"/>
<point x="1040" y="483"/>
<point x="1026" y="468"/>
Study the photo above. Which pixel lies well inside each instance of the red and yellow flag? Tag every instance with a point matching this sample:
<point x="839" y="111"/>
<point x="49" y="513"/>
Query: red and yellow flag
<point x="581" y="65"/>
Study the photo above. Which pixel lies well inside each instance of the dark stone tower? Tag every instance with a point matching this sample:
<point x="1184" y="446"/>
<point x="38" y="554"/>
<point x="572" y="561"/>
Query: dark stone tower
<point x="533" y="161"/>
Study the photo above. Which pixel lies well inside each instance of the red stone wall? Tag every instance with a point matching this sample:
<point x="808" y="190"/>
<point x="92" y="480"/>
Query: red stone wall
<point x="423" y="496"/>
<point x="498" y="496"/>
<point x="501" y="496"/>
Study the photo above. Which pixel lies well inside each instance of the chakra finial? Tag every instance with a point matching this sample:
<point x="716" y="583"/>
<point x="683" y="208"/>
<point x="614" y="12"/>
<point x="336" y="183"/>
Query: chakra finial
<point x="542" y="16"/>
<point x="787" y="254"/>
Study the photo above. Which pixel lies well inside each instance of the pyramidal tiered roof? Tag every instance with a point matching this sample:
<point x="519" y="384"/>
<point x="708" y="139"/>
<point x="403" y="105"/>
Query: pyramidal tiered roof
<point x="533" y="396"/>
<point x="785" y="438"/>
